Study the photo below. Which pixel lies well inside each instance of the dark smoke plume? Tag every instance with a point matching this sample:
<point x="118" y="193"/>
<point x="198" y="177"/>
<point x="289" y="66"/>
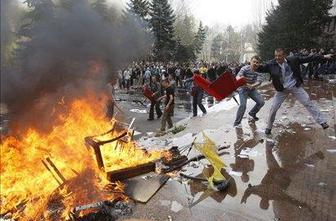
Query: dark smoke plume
<point x="59" y="52"/>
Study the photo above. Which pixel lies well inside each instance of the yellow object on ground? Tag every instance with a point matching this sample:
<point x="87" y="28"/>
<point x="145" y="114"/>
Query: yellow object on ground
<point x="209" y="150"/>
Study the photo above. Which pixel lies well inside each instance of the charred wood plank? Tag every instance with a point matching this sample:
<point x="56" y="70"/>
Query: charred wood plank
<point x="59" y="174"/>
<point x="130" y="171"/>
<point x="46" y="166"/>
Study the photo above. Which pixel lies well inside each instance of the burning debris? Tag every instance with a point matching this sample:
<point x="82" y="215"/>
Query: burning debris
<point x="118" y="155"/>
<point x="53" y="173"/>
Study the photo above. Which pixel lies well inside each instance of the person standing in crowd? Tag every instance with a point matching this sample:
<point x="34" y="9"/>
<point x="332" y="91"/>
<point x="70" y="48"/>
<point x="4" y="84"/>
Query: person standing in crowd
<point x="147" y="76"/>
<point x="156" y="89"/>
<point x="127" y="77"/>
<point x="286" y="78"/>
<point x="178" y="76"/>
<point x="204" y="70"/>
<point x="197" y="94"/>
<point x="169" y="105"/>
<point x="212" y="73"/>
<point x="172" y="81"/>
<point x="111" y="103"/>
<point x="249" y="90"/>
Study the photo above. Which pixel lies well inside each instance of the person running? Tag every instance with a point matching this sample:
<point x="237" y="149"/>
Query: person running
<point x="249" y="91"/>
<point x="197" y="94"/>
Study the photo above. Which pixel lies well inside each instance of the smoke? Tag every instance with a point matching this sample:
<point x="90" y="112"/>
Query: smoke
<point x="68" y="52"/>
<point x="9" y="15"/>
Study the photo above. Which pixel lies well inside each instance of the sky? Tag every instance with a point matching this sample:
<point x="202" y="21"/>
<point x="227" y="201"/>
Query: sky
<point x="234" y="12"/>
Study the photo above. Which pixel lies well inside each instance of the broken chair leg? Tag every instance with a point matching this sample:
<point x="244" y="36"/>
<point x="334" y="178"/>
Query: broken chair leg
<point x="52" y="167"/>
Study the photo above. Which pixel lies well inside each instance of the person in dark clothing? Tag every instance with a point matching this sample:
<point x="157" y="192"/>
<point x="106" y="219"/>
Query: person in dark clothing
<point x="156" y="89"/>
<point x="212" y="73"/>
<point x="111" y="103"/>
<point x="169" y="105"/>
<point x="287" y="79"/>
<point x="197" y="96"/>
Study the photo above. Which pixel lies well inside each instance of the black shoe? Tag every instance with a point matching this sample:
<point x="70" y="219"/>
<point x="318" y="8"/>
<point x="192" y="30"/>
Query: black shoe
<point x="324" y="125"/>
<point x="254" y="117"/>
<point x="159" y="116"/>
<point x="268" y="131"/>
<point x="150" y="119"/>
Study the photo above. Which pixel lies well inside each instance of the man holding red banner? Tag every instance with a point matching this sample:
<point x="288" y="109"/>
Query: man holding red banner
<point x="249" y="90"/>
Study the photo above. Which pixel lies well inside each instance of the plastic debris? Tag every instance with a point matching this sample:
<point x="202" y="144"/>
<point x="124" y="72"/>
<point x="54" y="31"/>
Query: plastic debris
<point x="209" y="150"/>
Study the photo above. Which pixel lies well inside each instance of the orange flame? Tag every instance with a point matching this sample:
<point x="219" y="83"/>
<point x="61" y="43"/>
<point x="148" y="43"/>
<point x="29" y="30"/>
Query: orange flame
<point x="27" y="186"/>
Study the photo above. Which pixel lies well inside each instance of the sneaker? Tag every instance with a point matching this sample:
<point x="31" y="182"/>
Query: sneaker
<point x="268" y="131"/>
<point x="324" y="125"/>
<point x="254" y="117"/>
<point x="237" y="125"/>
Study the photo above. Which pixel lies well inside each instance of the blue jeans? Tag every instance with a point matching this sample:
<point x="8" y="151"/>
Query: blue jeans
<point x="301" y="95"/>
<point x="243" y="95"/>
<point x="197" y="101"/>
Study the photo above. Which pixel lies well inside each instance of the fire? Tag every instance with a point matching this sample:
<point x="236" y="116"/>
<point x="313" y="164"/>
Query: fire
<point x="27" y="186"/>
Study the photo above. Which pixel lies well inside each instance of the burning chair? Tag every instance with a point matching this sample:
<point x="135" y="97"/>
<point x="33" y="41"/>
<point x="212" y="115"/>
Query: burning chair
<point x="118" y="156"/>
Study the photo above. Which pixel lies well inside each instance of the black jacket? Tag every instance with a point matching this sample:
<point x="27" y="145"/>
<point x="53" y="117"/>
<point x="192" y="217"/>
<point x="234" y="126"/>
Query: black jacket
<point x="294" y="62"/>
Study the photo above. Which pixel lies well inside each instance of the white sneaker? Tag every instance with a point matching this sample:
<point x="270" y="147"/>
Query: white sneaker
<point x="237" y="126"/>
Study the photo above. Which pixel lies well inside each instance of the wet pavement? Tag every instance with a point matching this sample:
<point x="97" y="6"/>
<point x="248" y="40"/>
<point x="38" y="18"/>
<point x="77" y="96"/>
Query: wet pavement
<point x="289" y="175"/>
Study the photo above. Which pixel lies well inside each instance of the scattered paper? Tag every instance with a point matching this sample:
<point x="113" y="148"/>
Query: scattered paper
<point x="175" y="206"/>
<point x="235" y="173"/>
<point x="139" y="111"/>
<point x="331" y="150"/>
<point x="309" y="165"/>
<point x="242" y="156"/>
<point x="165" y="202"/>
<point x="270" y="140"/>
<point x="332" y="137"/>
<point x="184" y="140"/>
<point x="137" y="133"/>
<point x="322" y="184"/>
<point x="249" y="152"/>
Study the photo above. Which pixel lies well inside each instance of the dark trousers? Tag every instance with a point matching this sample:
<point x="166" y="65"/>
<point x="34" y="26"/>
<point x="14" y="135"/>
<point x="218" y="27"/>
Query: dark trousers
<point x="110" y="109"/>
<point x="197" y="101"/>
<point x="157" y="109"/>
<point x="166" y="118"/>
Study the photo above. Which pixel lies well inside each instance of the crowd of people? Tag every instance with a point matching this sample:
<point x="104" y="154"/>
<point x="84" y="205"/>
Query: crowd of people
<point x="287" y="71"/>
<point x="316" y="69"/>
